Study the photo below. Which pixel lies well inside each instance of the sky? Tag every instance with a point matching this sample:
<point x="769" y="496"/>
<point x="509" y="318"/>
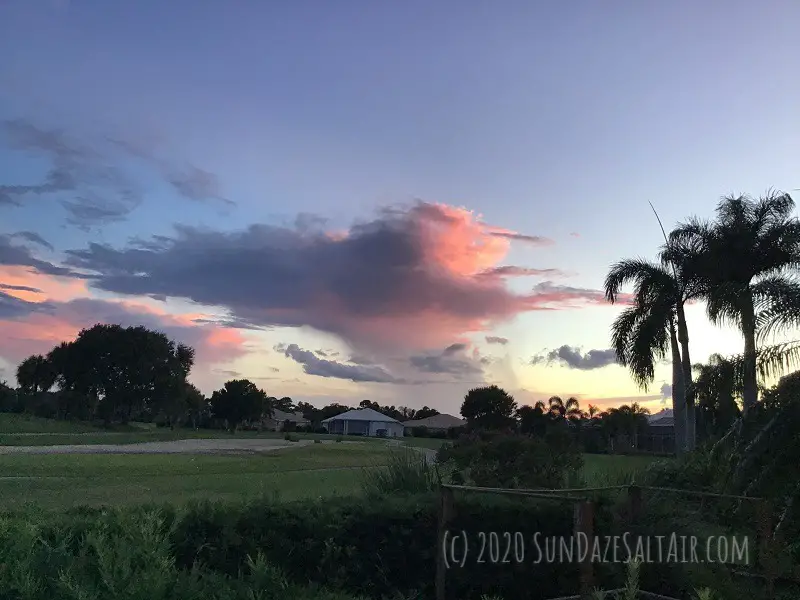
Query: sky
<point x="388" y="201"/>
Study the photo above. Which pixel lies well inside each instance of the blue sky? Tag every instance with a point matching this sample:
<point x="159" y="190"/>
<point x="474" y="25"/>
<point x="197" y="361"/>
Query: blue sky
<point x="547" y="119"/>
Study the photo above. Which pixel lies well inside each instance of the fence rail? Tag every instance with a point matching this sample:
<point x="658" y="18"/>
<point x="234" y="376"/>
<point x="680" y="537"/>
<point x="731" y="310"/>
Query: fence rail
<point x="584" y="525"/>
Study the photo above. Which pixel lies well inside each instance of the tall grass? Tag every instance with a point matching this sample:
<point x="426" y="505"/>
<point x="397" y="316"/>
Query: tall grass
<point x="406" y="471"/>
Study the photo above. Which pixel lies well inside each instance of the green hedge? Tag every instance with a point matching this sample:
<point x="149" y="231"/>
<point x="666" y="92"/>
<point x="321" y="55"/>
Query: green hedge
<point x="377" y="548"/>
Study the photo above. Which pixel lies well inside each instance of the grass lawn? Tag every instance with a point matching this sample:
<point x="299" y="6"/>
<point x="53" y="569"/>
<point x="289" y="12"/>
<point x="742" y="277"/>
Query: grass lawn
<point x="613" y="469"/>
<point x="58" y="481"/>
<point x="21" y="423"/>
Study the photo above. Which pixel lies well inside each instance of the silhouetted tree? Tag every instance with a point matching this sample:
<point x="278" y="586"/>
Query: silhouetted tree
<point x="489" y="408"/>
<point x="239" y="401"/>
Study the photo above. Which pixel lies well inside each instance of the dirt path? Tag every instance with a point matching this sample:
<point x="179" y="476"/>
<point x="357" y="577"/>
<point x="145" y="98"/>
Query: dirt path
<point x="191" y="446"/>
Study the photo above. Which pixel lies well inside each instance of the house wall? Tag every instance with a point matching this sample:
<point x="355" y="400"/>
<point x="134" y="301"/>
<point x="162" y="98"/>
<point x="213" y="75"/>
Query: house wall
<point x="392" y="429"/>
<point x="369" y="428"/>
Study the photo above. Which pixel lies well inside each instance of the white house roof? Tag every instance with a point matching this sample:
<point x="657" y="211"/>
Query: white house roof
<point x="280" y="415"/>
<point x="362" y="414"/>
<point x="664" y="413"/>
<point x="437" y="422"/>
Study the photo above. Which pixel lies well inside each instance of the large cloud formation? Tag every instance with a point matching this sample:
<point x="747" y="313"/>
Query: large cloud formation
<point x="413" y="277"/>
<point x="574" y="359"/>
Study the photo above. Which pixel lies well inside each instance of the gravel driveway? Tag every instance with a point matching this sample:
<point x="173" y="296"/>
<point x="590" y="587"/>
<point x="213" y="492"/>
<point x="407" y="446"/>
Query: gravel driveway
<point x="193" y="446"/>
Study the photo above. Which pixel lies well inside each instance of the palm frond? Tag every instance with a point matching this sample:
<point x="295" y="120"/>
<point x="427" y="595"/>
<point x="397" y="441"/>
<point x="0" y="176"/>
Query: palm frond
<point x="644" y="273"/>
<point x="777" y="300"/>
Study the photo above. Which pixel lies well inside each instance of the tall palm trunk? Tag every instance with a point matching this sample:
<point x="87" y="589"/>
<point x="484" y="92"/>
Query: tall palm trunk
<point x="678" y="393"/>
<point x="688" y="385"/>
<point x="750" y="378"/>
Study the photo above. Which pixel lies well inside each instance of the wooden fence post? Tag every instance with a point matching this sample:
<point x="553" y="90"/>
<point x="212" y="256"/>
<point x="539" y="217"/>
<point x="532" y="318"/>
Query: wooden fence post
<point x="584" y="528"/>
<point x="445" y="514"/>
<point x="766" y="547"/>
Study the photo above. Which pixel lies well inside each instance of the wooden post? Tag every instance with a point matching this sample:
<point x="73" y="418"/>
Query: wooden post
<point x="445" y="514"/>
<point x="634" y="502"/>
<point x="766" y="546"/>
<point x="584" y="528"/>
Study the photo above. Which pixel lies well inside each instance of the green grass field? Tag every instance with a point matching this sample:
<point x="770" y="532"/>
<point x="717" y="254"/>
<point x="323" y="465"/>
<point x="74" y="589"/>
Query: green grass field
<point x="57" y="481"/>
<point x="612" y="469"/>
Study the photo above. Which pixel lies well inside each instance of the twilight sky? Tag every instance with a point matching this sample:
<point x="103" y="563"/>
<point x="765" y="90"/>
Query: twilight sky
<point x="395" y="201"/>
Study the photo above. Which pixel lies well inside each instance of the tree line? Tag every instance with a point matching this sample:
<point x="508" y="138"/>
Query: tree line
<point x="493" y="409"/>
<point x="115" y="375"/>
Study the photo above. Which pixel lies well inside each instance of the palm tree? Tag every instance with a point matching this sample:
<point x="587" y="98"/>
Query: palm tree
<point x="558" y="409"/>
<point x="742" y="262"/>
<point x="718" y="385"/>
<point x="656" y="320"/>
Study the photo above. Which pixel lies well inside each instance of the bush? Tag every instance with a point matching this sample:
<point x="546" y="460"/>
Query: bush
<point x="291" y="437"/>
<point x="512" y="461"/>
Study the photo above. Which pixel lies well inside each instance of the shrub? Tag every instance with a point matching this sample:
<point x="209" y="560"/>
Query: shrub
<point x="512" y="461"/>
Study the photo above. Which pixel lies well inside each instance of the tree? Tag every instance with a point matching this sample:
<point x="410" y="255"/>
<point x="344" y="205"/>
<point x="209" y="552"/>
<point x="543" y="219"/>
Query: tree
<point x="654" y="323"/>
<point x="239" y="401"/>
<point x="285" y="404"/>
<point x="8" y="398"/>
<point x="489" y="408"/>
<point x="558" y="409"/>
<point x="719" y="386"/>
<point x="424" y="413"/>
<point x="533" y="419"/>
<point x="35" y="374"/>
<point x="743" y="260"/>
<point x="121" y="372"/>
<point x="628" y="420"/>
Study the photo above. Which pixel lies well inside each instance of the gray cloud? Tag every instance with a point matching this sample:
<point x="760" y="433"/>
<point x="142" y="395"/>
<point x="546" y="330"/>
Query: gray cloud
<point x="18" y="255"/>
<point x="228" y="373"/>
<point x="521" y="237"/>
<point x="196" y="184"/>
<point x="373" y="286"/>
<point x="19" y="288"/>
<point x="88" y="180"/>
<point x="313" y="365"/>
<point x="99" y="191"/>
<point x="574" y="359"/>
<point x="451" y="361"/>
<point x="190" y="182"/>
<point x="513" y="271"/>
<point x="495" y="339"/>
<point x="32" y="237"/>
<point x="666" y="392"/>
<point x="12" y="307"/>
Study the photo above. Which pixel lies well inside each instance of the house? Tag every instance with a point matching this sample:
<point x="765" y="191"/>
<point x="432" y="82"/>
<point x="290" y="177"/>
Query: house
<point x="280" y="418"/>
<point x="364" y="421"/>
<point x="436" y="423"/>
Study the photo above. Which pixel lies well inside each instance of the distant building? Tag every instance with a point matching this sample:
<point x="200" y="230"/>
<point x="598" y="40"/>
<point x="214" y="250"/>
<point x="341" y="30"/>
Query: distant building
<point x="280" y="418"/>
<point x="436" y="423"/>
<point x="364" y="421"/>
